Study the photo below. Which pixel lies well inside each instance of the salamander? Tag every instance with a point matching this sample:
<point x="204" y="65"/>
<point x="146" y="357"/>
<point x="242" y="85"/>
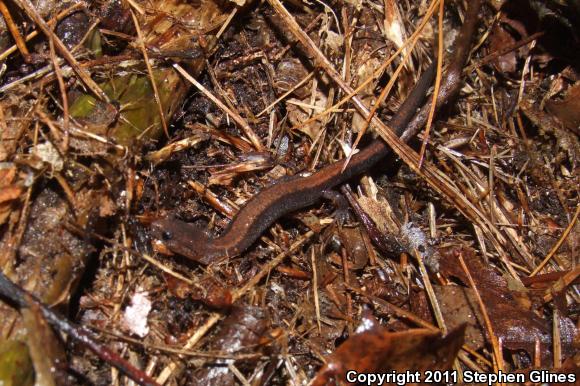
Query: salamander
<point x="297" y="192"/>
<point x="294" y="193"/>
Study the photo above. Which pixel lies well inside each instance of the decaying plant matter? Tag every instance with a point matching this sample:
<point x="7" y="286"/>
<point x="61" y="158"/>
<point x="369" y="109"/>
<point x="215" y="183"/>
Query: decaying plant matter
<point x="166" y="205"/>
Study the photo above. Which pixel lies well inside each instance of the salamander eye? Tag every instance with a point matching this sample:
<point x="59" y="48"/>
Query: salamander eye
<point x="166" y="235"/>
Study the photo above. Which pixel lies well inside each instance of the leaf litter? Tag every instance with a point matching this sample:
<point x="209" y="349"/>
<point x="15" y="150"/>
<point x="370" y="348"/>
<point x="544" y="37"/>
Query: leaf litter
<point x="102" y="133"/>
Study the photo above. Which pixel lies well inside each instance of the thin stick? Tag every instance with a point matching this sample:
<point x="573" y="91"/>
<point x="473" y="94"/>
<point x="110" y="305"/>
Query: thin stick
<point x="63" y="94"/>
<point x="226" y="23"/>
<point x="505" y="50"/>
<point x="136" y="6"/>
<point x="315" y="289"/>
<point x="430" y="292"/>
<point x="166" y="269"/>
<point x="399" y="312"/>
<point x="491" y="188"/>
<point x="561" y="284"/>
<point x="141" y="43"/>
<point x="437" y="85"/>
<point x="556" y="338"/>
<point x="291" y="44"/>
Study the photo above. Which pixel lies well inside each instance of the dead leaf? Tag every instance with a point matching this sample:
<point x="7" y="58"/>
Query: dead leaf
<point x="353" y="241"/>
<point x="568" y="109"/>
<point x="45" y="348"/>
<point x="10" y="193"/>
<point x="376" y="350"/>
<point x="517" y="326"/>
<point x="107" y="207"/>
<point x="499" y="38"/>
<point x="548" y="124"/>
<point x="7" y="175"/>
<point x="459" y="306"/>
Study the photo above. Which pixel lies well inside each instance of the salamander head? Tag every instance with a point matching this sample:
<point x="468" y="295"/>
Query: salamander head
<point x="188" y="240"/>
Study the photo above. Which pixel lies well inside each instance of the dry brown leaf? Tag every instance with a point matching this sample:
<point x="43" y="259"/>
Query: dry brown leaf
<point x="377" y="350"/>
<point x="568" y="109"/>
<point x="10" y="193"/>
<point x="498" y="39"/>
<point x="518" y="327"/>
<point x="7" y="176"/>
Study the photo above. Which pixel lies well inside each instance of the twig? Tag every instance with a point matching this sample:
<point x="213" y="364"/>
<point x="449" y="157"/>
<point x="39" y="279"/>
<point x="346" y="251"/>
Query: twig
<point x="430" y="291"/>
<point x="174" y="350"/>
<point x="496" y="54"/>
<point x="307" y="29"/>
<point x="63" y="95"/>
<point x="315" y="289"/>
<point x="23" y="299"/>
<point x="136" y="6"/>
<point x="141" y="43"/>
<point x="399" y="312"/>
<point x="561" y="284"/>
<point x="166" y="269"/>
<point x="556" y="339"/>
<point x="437" y="85"/>
<point x="226" y="23"/>
<point x="213" y="199"/>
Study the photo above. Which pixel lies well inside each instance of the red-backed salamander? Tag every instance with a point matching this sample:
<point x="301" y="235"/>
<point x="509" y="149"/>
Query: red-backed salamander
<point x="297" y="192"/>
<point x="294" y="193"/>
